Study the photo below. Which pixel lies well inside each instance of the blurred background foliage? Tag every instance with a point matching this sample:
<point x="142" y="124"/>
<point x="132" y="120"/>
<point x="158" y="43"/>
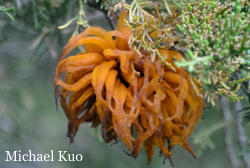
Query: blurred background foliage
<point x="30" y="45"/>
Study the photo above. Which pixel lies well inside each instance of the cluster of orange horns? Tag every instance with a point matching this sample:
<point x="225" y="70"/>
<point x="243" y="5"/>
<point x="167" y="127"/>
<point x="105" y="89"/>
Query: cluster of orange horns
<point x="135" y="100"/>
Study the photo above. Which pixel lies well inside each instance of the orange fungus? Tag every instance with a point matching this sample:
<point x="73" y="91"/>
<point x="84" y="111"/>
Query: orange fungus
<point x="135" y="100"/>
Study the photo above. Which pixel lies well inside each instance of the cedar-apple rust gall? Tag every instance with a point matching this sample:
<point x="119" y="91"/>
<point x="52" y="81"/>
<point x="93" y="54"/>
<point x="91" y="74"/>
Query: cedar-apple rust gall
<point x="29" y="156"/>
<point x="137" y="100"/>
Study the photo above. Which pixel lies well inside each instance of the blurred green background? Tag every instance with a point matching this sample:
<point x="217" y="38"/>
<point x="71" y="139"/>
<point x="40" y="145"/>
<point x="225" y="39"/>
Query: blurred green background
<point x="30" y="47"/>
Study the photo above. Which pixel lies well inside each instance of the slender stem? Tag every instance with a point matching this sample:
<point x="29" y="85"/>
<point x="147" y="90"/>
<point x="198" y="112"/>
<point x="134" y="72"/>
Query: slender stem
<point x="80" y="5"/>
<point x="112" y="25"/>
<point x="228" y="133"/>
<point x="52" y="50"/>
<point x="166" y="5"/>
<point x="240" y="80"/>
<point x="139" y="8"/>
<point x="240" y="133"/>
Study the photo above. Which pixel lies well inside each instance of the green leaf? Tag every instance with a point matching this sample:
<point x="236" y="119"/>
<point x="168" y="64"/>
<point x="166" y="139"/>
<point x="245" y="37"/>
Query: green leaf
<point x="3" y="9"/>
<point x="9" y="15"/>
<point x="237" y="7"/>
<point x="190" y="54"/>
<point x="179" y="28"/>
<point x="244" y="109"/>
<point x="244" y="148"/>
<point x="189" y="8"/>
